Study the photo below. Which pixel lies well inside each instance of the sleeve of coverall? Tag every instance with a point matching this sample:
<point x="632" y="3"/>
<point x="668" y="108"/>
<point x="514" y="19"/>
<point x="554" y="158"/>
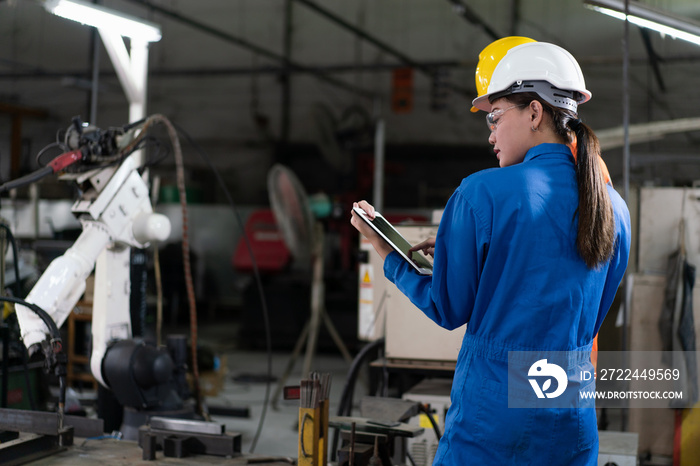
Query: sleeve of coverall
<point x="448" y="296"/>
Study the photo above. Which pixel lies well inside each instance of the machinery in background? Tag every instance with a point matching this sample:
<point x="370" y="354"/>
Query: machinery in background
<point x="266" y="244"/>
<point x="436" y="394"/>
<point x="379" y="436"/>
<point x="114" y="209"/>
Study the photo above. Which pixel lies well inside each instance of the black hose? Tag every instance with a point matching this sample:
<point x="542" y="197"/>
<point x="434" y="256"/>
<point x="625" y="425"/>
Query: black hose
<point x="129" y="126"/>
<point x="43" y="151"/>
<point x="348" y="389"/>
<point x="345" y="405"/>
<point x="410" y="458"/>
<point x="43" y="315"/>
<point x="427" y="412"/>
<point x="27" y="179"/>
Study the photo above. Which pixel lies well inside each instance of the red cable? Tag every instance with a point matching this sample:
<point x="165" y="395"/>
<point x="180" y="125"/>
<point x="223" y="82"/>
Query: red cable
<point x="66" y="159"/>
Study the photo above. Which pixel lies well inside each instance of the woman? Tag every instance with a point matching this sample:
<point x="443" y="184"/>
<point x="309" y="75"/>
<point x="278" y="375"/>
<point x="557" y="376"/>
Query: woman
<point x="530" y="256"/>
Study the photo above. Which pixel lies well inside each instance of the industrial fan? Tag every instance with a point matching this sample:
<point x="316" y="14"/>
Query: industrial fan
<point x="338" y="139"/>
<point x="290" y="206"/>
<point x="304" y="238"/>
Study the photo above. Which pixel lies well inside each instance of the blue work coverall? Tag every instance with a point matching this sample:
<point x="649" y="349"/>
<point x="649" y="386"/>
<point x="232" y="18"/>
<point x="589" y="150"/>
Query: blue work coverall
<point x="506" y="264"/>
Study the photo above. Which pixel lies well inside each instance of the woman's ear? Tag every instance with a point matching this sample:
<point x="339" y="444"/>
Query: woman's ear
<point x="536" y="114"/>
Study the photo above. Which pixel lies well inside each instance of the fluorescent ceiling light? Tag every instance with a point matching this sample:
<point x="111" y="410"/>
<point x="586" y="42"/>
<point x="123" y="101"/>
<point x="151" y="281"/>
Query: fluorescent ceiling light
<point x="650" y="18"/>
<point x="105" y="18"/>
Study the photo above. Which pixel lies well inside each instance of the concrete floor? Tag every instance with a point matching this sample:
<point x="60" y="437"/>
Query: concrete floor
<point x="245" y="387"/>
<point x="279" y="434"/>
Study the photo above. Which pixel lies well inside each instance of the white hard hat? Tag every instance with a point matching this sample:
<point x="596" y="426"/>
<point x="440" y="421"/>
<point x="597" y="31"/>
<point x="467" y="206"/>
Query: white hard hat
<point x="540" y="67"/>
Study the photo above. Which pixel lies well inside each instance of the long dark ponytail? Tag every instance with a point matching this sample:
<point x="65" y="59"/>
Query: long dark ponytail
<point x="595" y="240"/>
<point x="596" y="223"/>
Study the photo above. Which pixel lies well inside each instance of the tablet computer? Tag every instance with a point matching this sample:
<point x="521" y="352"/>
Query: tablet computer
<point x="419" y="262"/>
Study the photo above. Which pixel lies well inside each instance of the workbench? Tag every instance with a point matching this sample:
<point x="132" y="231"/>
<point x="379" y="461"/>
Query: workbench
<point x="113" y="452"/>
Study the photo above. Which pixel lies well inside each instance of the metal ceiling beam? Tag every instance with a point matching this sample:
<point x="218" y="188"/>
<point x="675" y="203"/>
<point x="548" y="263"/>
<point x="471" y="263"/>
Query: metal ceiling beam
<point x="223" y="35"/>
<point x="467" y="13"/>
<point x="35" y="72"/>
<point x="405" y="59"/>
<point x="364" y="35"/>
<point x="612" y="138"/>
<point x="653" y="58"/>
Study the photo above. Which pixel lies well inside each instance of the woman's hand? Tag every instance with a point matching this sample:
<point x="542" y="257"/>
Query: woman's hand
<point x="427" y="247"/>
<point x="360" y="224"/>
<point x="367" y="207"/>
<point x="381" y="246"/>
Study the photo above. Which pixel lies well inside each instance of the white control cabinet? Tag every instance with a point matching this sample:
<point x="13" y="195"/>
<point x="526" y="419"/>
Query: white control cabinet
<point x="385" y="311"/>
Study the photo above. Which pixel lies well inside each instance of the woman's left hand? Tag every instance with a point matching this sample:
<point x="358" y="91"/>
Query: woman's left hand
<point x="381" y="246"/>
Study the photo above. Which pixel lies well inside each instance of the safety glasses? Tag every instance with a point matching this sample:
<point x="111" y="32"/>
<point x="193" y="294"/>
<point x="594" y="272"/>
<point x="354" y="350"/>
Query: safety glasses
<point x="493" y="117"/>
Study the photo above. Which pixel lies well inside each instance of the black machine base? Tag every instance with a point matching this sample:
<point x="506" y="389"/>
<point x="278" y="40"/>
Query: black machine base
<point x="134" y="419"/>
<point x="180" y="442"/>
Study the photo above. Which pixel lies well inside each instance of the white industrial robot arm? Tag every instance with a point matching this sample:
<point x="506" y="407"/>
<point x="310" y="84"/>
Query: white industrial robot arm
<point x="115" y="214"/>
<point x="62" y="284"/>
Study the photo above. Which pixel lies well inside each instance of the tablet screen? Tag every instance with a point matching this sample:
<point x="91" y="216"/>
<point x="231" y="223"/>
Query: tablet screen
<point x="398" y="242"/>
